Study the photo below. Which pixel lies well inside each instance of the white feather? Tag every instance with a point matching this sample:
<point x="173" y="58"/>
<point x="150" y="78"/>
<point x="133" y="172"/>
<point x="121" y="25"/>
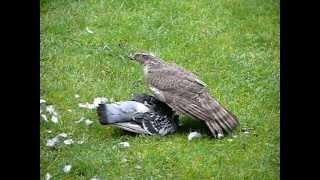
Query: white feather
<point x="89" y="31"/>
<point x="54" y="119"/>
<point x="124" y="145"/>
<point x="68" y="141"/>
<point x="193" y="135"/>
<point x="67" y="168"/>
<point x="48" y="176"/>
<point x="44" y="117"/>
<point x="141" y="108"/>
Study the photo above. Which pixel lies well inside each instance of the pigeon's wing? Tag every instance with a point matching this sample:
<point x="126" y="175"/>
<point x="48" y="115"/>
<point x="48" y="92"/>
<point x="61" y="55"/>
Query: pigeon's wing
<point x="185" y="93"/>
<point x="158" y="124"/>
<point x="132" y="127"/>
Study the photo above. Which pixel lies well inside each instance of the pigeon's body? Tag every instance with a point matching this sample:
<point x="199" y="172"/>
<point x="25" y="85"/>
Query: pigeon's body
<point x="123" y="111"/>
<point x="143" y="115"/>
<point x="186" y="93"/>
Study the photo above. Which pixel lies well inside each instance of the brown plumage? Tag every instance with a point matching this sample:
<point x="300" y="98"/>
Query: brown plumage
<point x="186" y="94"/>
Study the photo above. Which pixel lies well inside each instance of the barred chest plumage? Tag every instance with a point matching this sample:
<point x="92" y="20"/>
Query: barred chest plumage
<point x="146" y="70"/>
<point x="156" y="91"/>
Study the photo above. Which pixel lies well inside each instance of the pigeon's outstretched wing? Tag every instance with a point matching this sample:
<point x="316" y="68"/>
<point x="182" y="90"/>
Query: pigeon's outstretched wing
<point x="185" y="93"/>
<point x="154" y="123"/>
<point x="131" y="127"/>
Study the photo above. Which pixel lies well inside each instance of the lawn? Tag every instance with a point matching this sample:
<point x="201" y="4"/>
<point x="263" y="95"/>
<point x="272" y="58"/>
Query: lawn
<point x="232" y="45"/>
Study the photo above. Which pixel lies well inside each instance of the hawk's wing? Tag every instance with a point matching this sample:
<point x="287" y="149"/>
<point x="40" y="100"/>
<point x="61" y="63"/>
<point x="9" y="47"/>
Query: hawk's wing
<point x="185" y="93"/>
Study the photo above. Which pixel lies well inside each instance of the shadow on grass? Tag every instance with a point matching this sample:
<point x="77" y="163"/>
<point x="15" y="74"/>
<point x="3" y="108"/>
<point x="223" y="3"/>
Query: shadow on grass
<point x="188" y="125"/>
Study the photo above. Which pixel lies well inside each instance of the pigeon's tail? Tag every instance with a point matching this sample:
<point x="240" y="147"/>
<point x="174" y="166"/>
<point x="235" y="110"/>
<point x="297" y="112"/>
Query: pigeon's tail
<point x="102" y="114"/>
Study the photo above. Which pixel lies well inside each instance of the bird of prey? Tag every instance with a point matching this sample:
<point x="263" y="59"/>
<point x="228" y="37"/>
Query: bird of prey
<point x="143" y="114"/>
<point x="186" y="94"/>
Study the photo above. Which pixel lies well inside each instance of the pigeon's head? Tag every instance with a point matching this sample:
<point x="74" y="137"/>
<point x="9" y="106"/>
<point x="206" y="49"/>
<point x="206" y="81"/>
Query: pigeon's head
<point x="144" y="58"/>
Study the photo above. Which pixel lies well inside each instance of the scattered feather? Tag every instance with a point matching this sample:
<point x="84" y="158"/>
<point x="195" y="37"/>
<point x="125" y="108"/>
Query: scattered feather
<point x="49" y="131"/>
<point x="44" y="117"/>
<point x="246" y="129"/>
<point x="246" y="132"/>
<point x="138" y="167"/>
<point x="94" y="178"/>
<point x="234" y="136"/>
<point x="230" y="140"/>
<point x="193" y="135"/>
<point x="63" y="135"/>
<point x="99" y="100"/>
<point x="95" y="104"/>
<point x="42" y="106"/>
<point x="50" y="109"/>
<point x="88" y="122"/>
<point x="269" y="145"/>
<point x="55" y="114"/>
<point x="124" y="160"/>
<point x="52" y="142"/>
<point x="124" y="145"/>
<point x="42" y="101"/>
<point x="68" y="141"/>
<point x="76" y="95"/>
<point x="69" y="110"/>
<point x="67" y="168"/>
<point x="80" y="142"/>
<point x="89" y="31"/>
<point x="54" y="119"/>
<point x="80" y="120"/>
<point x="86" y="105"/>
<point x="48" y="176"/>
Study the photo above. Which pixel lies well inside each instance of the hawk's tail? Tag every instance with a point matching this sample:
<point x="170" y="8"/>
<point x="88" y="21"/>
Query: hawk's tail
<point x="204" y="107"/>
<point x="221" y="120"/>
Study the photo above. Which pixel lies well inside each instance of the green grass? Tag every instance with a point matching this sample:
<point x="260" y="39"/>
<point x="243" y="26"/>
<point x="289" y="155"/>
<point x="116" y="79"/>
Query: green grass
<point x="232" y="45"/>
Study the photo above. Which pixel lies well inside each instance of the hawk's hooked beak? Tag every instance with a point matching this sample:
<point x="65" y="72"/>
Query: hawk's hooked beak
<point x="131" y="57"/>
<point x="140" y="57"/>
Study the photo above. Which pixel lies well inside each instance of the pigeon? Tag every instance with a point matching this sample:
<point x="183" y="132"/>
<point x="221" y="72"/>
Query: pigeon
<point x="143" y="114"/>
<point x="186" y="94"/>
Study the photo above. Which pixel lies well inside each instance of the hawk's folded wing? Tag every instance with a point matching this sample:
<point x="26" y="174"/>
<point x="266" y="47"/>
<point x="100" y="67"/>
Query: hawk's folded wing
<point x="185" y="93"/>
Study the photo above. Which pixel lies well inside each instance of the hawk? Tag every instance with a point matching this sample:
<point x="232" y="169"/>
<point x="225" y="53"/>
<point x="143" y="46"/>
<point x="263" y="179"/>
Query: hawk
<point x="186" y="94"/>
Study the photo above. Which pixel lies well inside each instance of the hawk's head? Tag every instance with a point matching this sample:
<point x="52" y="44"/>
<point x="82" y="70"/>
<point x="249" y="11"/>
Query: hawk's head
<point x="144" y="58"/>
